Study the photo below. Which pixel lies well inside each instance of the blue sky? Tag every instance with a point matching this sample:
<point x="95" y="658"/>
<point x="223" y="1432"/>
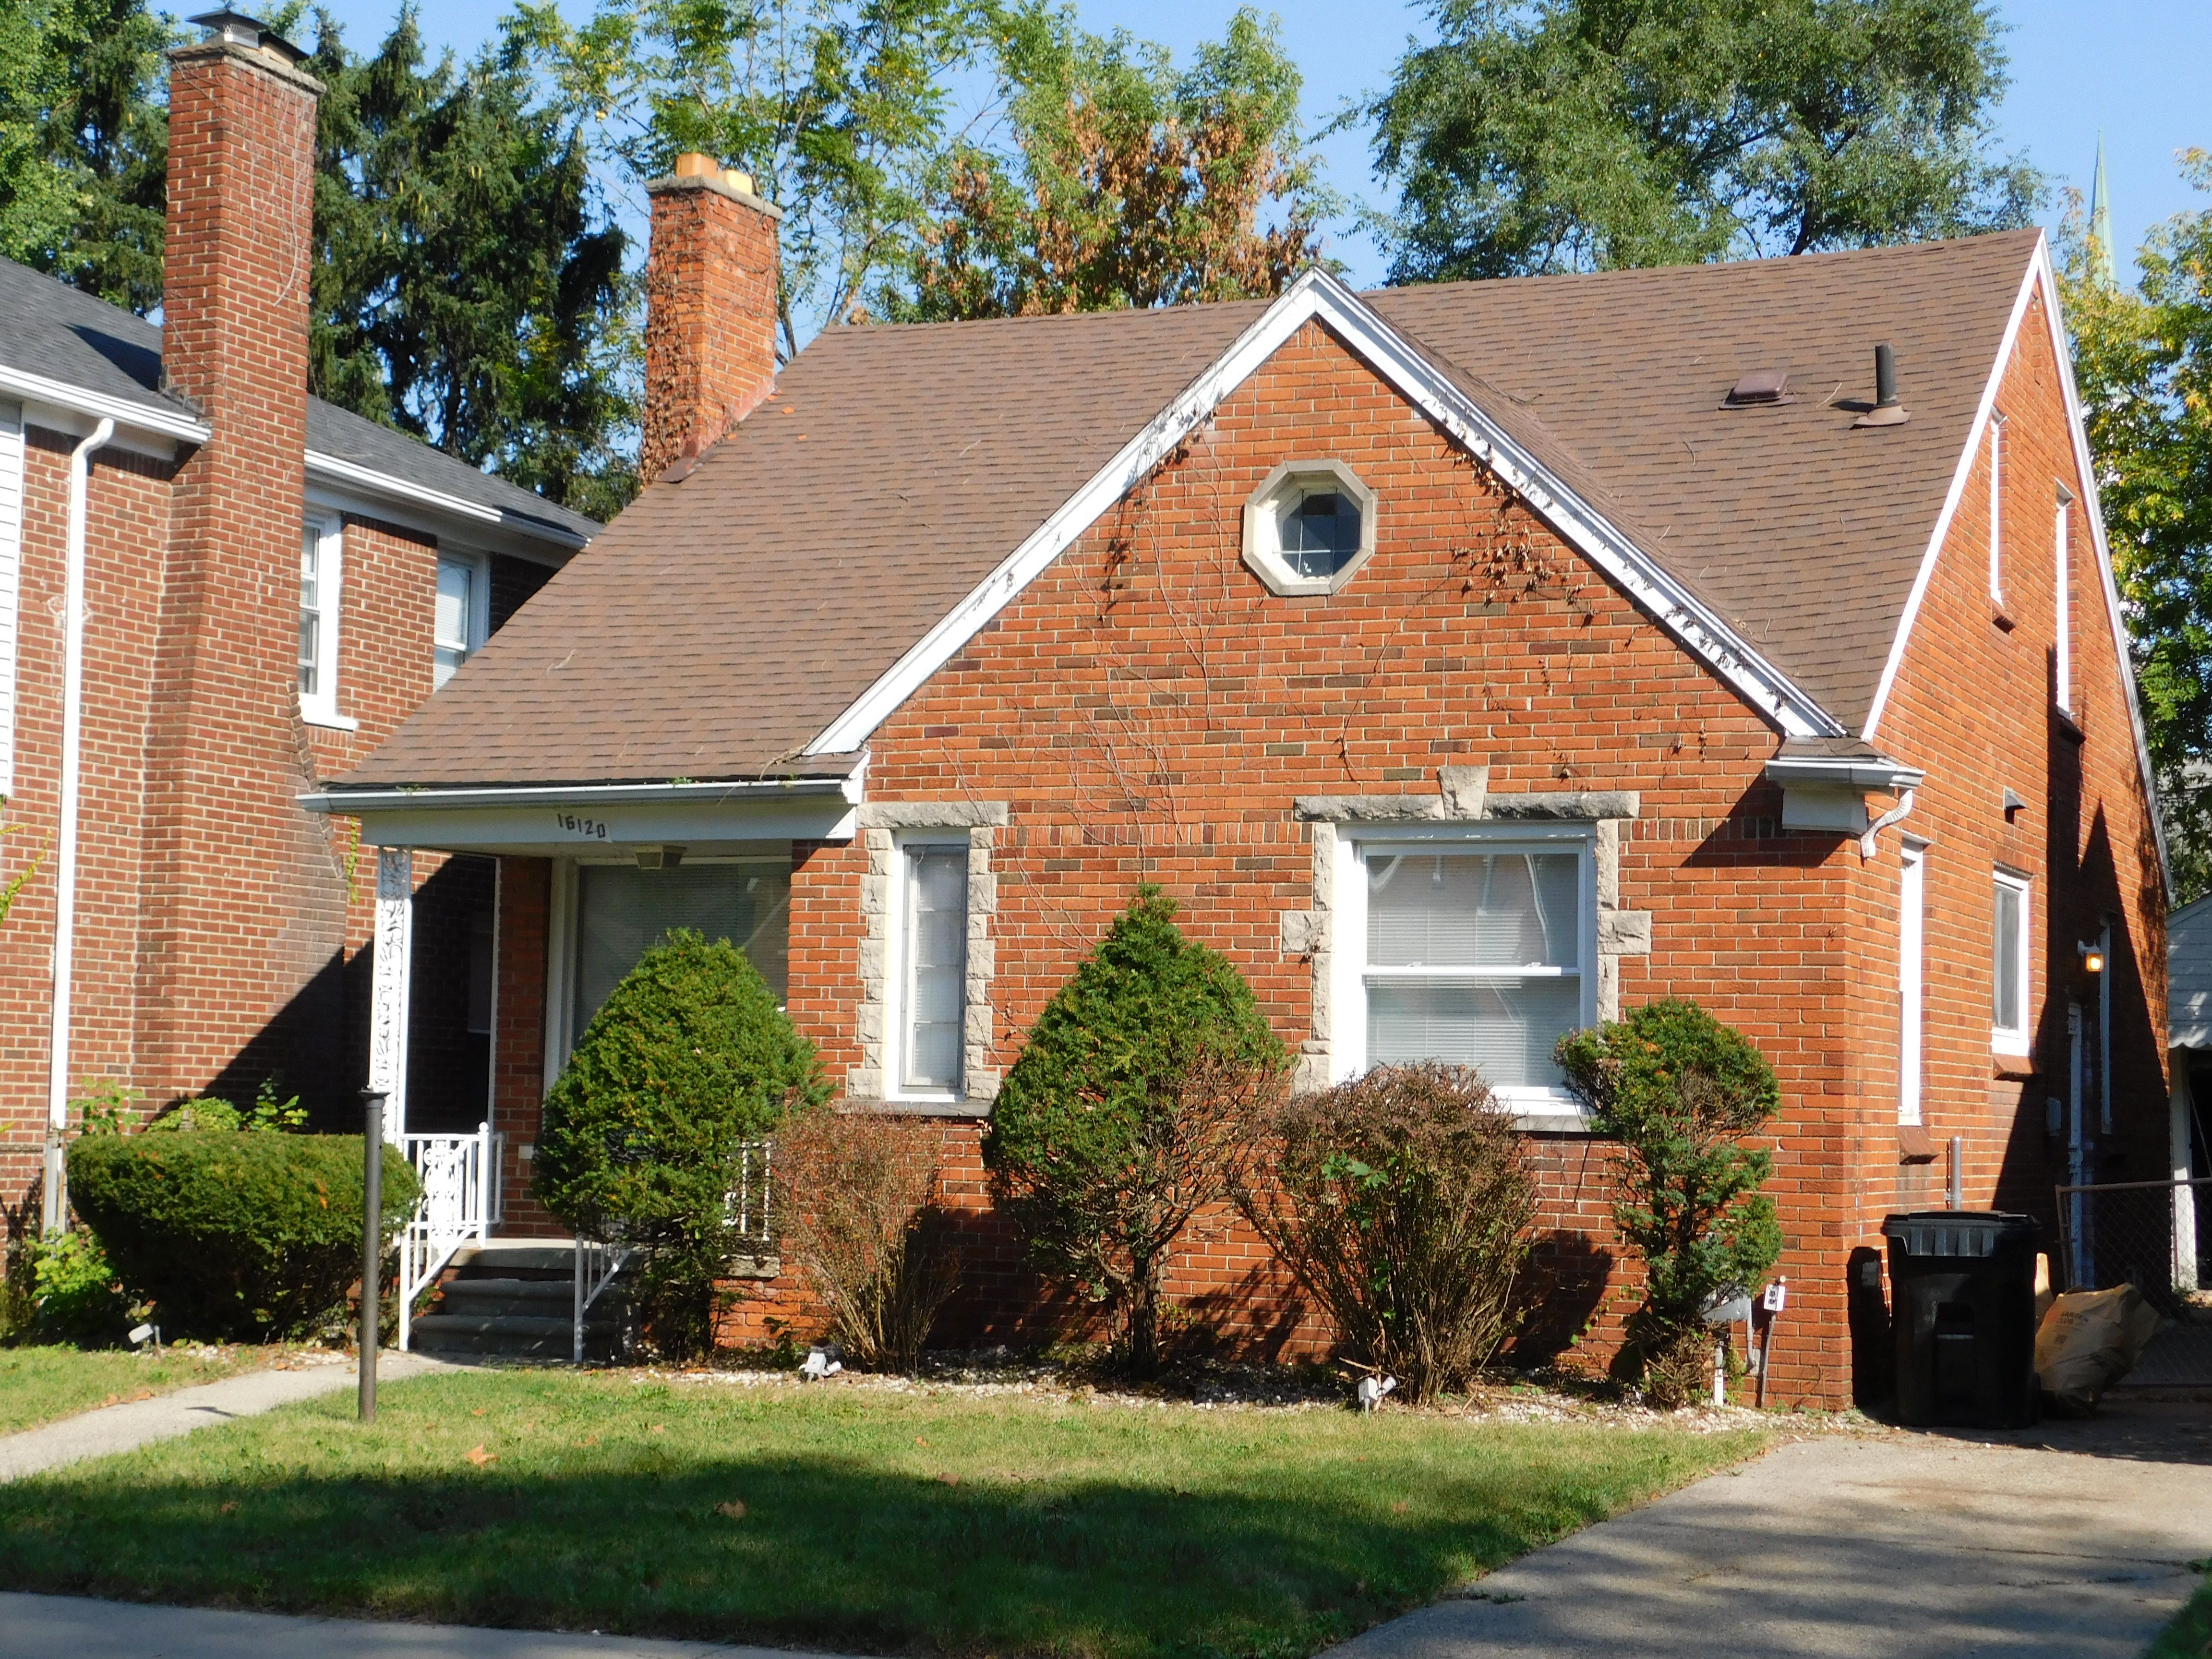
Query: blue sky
<point x="2139" y="72"/>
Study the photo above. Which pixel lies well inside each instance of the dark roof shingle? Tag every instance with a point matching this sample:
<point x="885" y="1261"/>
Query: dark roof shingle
<point x="723" y="622"/>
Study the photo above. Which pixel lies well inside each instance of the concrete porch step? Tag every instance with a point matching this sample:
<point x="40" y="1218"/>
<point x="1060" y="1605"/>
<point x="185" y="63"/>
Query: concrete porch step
<point x="544" y="1298"/>
<point x="508" y="1335"/>
<point x="534" y="1259"/>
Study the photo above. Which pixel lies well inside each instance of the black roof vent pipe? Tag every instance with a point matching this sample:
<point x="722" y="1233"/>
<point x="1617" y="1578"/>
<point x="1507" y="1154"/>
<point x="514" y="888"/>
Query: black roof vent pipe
<point x="1886" y="411"/>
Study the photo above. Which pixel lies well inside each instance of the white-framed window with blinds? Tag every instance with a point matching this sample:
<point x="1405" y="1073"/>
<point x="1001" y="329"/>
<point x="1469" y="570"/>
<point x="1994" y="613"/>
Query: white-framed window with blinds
<point x="462" y="613"/>
<point x="926" y="990"/>
<point x="1997" y="507"/>
<point x="322" y="585"/>
<point x="2011" y="983"/>
<point x="1472" y="947"/>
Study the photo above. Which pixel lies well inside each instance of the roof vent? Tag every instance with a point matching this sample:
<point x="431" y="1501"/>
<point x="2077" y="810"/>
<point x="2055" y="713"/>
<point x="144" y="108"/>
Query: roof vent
<point x="1886" y="411"/>
<point x="1760" y="386"/>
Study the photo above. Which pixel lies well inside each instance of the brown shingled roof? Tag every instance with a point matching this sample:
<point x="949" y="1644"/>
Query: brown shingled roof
<point x="723" y="622"/>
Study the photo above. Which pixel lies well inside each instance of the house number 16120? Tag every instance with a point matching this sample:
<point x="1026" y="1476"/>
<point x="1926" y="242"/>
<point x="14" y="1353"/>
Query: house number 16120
<point x="595" y="828"/>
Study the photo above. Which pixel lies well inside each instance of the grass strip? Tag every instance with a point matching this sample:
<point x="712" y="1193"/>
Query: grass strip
<point x="2188" y="1634"/>
<point x="852" y="1519"/>
<point x="43" y="1384"/>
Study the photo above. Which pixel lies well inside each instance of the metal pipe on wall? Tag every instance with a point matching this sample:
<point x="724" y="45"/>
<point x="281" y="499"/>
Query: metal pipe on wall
<point x="54" y="1204"/>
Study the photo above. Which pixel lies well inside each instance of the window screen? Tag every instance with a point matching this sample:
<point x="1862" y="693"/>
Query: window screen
<point x="935" y="927"/>
<point x="622" y="912"/>
<point x="310" y="612"/>
<point x="1321" y="533"/>
<point x="2008" y="968"/>
<point x="1474" y="957"/>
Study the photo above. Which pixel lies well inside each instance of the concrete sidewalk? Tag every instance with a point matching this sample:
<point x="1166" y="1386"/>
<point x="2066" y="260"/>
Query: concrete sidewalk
<point x="2072" y="1539"/>
<point x="112" y="1429"/>
<point x="45" y="1626"/>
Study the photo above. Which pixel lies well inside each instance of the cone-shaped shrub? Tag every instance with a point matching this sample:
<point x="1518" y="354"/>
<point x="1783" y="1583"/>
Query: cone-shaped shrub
<point x="1140" y="1098"/>
<point x="688" y="1060"/>
<point x="1678" y="1091"/>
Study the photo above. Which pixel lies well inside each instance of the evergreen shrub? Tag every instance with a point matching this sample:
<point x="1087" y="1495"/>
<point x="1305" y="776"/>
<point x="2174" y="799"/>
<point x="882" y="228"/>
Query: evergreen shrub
<point x="231" y="1235"/>
<point x="1139" y="1099"/>
<point x="1677" y="1092"/>
<point x="1402" y="1204"/>
<point x="689" y="1059"/>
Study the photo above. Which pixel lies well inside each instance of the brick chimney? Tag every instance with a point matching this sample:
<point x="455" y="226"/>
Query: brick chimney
<point x="224" y="953"/>
<point x="710" y="280"/>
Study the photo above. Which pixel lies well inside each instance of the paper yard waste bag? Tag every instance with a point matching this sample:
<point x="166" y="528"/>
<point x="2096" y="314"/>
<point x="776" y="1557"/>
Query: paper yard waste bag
<point x="2089" y="1340"/>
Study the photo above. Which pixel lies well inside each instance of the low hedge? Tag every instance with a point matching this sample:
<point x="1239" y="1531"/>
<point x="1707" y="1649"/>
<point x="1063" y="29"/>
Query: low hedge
<point x="229" y="1235"/>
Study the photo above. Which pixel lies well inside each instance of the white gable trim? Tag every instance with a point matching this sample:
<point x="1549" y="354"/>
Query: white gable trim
<point x="1318" y="294"/>
<point x="2041" y="277"/>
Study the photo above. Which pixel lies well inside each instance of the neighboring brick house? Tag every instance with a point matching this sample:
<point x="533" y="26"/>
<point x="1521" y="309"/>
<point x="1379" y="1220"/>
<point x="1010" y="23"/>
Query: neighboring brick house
<point x="269" y="585"/>
<point x="1471" y="662"/>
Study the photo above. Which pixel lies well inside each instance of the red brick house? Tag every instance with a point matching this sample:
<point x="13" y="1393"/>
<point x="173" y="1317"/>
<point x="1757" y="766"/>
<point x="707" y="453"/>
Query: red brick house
<point x="216" y="590"/>
<point x="1472" y="662"/>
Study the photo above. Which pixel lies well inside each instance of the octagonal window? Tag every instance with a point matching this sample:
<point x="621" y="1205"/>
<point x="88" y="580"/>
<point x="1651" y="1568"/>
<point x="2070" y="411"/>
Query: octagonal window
<point x="1309" y="527"/>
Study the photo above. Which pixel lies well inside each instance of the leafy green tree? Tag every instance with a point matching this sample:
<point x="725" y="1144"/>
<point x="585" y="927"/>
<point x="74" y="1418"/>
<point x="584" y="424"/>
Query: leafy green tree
<point x="836" y="107"/>
<point x="1122" y="181"/>
<point x="1678" y="1091"/>
<point x="1141" y="1099"/>
<point x="469" y="286"/>
<point x="84" y="138"/>
<point x="2143" y="359"/>
<point x="688" y="1061"/>
<point x="1567" y="135"/>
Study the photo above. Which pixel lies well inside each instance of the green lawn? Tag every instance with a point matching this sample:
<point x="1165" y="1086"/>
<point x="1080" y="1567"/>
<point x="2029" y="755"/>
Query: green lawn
<point x="856" y="1519"/>
<point x="2189" y="1636"/>
<point x="40" y="1384"/>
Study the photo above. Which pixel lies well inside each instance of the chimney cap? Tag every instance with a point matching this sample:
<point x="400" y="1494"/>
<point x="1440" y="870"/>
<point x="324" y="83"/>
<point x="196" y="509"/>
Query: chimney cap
<point x="251" y="33"/>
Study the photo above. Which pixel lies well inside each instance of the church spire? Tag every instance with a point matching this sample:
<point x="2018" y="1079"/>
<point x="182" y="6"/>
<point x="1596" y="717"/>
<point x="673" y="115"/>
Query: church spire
<point x="2101" y="265"/>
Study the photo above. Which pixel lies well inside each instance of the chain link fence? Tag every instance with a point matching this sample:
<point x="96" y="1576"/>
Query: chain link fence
<point x="2157" y="1236"/>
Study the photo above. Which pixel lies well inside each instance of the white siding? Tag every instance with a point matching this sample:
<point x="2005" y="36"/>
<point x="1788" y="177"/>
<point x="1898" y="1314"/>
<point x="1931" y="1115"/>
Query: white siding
<point x="2188" y="975"/>
<point x="11" y="573"/>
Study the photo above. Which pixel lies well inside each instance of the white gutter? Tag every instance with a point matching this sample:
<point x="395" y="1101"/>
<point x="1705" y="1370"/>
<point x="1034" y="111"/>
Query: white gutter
<point x="55" y="1210"/>
<point x="331" y="469"/>
<point x="1840" y="772"/>
<point x="346" y="802"/>
<point x="168" y="423"/>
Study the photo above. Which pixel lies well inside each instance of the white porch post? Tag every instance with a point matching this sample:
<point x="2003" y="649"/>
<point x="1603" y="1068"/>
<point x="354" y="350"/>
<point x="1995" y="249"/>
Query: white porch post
<point x="2184" y="1196"/>
<point x="387" y="1019"/>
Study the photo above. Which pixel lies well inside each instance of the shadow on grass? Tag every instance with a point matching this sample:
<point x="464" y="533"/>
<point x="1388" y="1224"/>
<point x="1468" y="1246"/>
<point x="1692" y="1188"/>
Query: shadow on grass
<point x="1270" y="1560"/>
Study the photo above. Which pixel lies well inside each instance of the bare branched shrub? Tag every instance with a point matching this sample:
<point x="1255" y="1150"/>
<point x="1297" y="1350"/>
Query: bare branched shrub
<point x="1402" y="1204"/>
<point x="859" y="1213"/>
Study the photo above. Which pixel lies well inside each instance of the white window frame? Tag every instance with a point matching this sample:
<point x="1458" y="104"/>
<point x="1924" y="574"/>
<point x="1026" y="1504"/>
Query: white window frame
<point x="2062" y="651"/>
<point x="1997" y="507"/>
<point x="1911" y="978"/>
<point x="2013" y="1039"/>
<point x="899" y="970"/>
<point x="322" y="707"/>
<point x="479" y="569"/>
<point x="1348" y="926"/>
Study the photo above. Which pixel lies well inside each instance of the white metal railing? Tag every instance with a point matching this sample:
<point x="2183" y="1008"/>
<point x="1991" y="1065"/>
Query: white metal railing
<point x="459" y="1177"/>
<point x="746" y="1207"/>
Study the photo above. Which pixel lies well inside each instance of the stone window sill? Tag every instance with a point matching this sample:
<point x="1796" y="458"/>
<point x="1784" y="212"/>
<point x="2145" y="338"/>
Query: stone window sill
<point x="329" y="721"/>
<point x="975" y="1110"/>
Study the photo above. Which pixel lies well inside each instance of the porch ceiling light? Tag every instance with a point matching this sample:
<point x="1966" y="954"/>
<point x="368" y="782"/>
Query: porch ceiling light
<point x="663" y="857"/>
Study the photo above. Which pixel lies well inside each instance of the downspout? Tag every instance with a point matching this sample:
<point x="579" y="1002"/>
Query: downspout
<point x="54" y="1209"/>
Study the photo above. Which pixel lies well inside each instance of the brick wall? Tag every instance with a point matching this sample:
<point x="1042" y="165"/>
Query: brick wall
<point x="126" y="500"/>
<point x="1974" y="704"/>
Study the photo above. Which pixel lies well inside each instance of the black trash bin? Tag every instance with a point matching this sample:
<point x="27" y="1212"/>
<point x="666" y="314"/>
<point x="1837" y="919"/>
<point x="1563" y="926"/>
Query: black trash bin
<point x="1962" y="1287"/>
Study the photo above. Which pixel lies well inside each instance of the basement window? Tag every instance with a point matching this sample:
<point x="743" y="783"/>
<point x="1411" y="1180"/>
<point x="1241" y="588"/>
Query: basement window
<point x="1309" y="527"/>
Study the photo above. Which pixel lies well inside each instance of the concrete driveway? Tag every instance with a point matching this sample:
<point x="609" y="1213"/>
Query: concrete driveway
<point x="2073" y="1539"/>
